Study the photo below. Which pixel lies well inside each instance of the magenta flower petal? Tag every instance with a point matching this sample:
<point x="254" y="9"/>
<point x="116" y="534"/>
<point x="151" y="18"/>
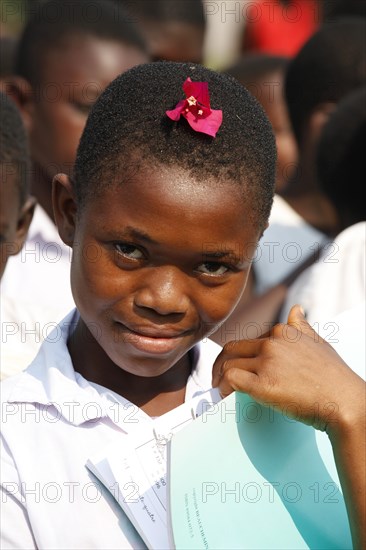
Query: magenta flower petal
<point x="196" y="109"/>
<point x="174" y="114"/>
<point x="198" y="90"/>
<point x="207" y="125"/>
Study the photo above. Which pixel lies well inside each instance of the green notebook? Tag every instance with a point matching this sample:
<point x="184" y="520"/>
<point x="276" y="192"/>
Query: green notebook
<point x="243" y="476"/>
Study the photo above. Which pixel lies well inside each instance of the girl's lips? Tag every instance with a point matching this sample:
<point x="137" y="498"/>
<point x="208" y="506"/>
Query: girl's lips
<point x="151" y="343"/>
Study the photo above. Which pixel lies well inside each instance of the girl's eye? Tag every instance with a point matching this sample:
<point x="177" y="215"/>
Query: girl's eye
<point x="129" y="251"/>
<point x="213" y="269"/>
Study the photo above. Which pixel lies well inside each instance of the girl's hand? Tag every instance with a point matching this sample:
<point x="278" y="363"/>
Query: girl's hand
<point x="293" y="369"/>
<point x="297" y="372"/>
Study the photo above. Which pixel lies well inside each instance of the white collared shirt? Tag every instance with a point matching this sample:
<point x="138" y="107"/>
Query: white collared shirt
<point x="54" y="420"/>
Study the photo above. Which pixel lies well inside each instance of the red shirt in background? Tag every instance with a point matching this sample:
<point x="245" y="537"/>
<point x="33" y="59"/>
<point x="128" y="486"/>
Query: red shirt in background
<point x="278" y="27"/>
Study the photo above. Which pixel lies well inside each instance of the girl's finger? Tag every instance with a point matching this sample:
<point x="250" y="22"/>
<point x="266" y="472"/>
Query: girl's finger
<point x="248" y="364"/>
<point x="240" y="348"/>
<point x="296" y="318"/>
<point x="237" y="379"/>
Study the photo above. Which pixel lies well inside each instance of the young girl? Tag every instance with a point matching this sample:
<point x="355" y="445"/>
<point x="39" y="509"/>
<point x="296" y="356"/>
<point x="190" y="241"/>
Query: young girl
<point x="171" y="192"/>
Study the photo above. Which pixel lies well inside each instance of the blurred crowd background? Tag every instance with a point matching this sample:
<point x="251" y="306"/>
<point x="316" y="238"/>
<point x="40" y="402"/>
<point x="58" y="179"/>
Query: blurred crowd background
<point x="304" y="60"/>
<point x="228" y="27"/>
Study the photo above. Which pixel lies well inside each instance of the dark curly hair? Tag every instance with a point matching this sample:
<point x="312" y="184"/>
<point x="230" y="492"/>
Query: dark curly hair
<point x="14" y="152"/>
<point x="128" y="126"/>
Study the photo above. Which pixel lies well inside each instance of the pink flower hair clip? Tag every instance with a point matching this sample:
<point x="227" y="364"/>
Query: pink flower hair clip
<point x="196" y="109"/>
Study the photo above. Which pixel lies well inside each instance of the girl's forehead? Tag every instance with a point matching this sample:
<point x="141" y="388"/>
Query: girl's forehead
<point x="167" y="200"/>
<point x="171" y="184"/>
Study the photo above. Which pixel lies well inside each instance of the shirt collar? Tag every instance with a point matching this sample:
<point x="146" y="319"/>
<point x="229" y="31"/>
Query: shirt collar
<point x="51" y="381"/>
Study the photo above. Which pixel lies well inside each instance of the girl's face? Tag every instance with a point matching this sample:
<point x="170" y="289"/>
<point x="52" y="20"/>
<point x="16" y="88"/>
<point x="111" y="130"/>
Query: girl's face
<point x="158" y="263"/>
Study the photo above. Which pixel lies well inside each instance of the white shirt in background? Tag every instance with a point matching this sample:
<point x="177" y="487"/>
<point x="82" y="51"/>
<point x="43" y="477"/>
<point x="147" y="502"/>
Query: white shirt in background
<point x="286" y="243"/>
<point x="336" y="282"/>
<point x="348" y="337"/>
<point x="23" y="327"/>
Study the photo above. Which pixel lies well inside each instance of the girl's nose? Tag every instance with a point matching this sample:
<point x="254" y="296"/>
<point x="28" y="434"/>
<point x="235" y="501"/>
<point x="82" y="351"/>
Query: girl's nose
<point x="164" y="290"/>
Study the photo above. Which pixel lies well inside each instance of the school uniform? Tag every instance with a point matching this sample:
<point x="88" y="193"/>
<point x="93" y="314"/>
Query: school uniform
<point x="336" y="282"/>
<point x="54" y="420"/>
<point x="346" y="333"/>
<point x="23" y="327"/>
<point x="287" y="242"/>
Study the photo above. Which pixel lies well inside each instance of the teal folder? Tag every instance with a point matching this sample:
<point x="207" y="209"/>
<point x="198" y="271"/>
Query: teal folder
<point x="243" y="476"/>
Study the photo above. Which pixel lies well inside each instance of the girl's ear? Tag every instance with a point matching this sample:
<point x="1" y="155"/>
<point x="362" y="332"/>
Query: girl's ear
<point x="64" y="208"/>
<point x="22" y="93"/>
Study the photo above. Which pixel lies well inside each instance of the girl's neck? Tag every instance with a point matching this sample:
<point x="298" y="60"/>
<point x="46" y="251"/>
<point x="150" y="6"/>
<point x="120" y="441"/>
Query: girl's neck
<point x="155" y="395"/>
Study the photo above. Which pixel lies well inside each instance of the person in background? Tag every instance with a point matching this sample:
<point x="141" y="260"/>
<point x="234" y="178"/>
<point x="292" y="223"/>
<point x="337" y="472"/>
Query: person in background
<point x="65" y="58"/>
<point x="16" y="206"/>
<point x="16" y="212"/>
<point x="337" y="281"/>
<point x="174" y="30"/>
<point x="263" y="75"/>
<point x="303" y="219"/>
<point x="321" y="75"/>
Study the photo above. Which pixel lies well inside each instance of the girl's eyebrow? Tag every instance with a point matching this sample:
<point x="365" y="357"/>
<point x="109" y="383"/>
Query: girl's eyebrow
<point x="219" y="254"/>
<point x="130" y="231"/>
